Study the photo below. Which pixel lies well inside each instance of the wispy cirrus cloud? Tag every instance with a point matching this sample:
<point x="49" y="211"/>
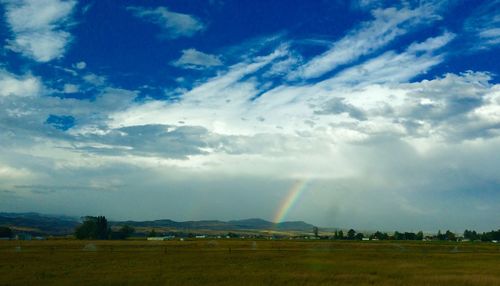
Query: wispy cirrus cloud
<point x="366" y="4"/>
<point x="367" y="38"/>
<point x="392" y="67"/>
<point x="357" y="121"/>
<point x="228" y="106"/>
<point x="484" y="26"/>
<point x="173" y="24"/>
<point x="38" y="27"/>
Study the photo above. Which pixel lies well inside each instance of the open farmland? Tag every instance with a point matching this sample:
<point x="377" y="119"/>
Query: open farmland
<point x="247" y="262"/>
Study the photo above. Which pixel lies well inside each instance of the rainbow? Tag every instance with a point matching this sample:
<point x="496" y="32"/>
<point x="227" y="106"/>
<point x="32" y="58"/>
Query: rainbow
<point x="289" y="201"/>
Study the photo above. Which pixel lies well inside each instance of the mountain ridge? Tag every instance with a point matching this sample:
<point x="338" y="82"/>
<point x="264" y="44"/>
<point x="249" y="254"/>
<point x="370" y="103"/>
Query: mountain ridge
<point x="243" y="224"/>
<point x="60" y="224"/>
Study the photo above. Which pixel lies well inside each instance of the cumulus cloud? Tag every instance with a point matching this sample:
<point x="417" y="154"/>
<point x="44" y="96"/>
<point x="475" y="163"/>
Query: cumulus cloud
<point x="94" y="79"/>
<point x="24" y="118"/>
<point x="372" y="139"/>
<point x="193" y="59"/>
<point x="38" y="27"/>
<point x="226" y="105"/>
<point x="173" y="24"/>
<point x="360" y="103"/>
<point x="147" y="140"/>
<point x="450" y="106"/>
<point x="223" y="90"/>
<point x="338" y="106"/>
<point x="352" y="146"/>
<point x="14" y="85"/>
<point x="9" y="173"/>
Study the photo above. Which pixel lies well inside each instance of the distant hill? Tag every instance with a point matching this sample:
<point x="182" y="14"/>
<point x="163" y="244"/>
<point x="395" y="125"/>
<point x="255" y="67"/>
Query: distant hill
<point x="245" y="224"/>
<point x="256" y="223"/>
<point x="36" y="223"/>
<point x="39" y="224"/>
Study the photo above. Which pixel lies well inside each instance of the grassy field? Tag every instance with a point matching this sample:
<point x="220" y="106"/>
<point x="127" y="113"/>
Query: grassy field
<point x="247" y="262"/>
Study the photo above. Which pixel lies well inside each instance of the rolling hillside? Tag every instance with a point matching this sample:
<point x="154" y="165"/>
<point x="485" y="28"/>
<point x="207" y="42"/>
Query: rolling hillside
<point x="60" y="225"/>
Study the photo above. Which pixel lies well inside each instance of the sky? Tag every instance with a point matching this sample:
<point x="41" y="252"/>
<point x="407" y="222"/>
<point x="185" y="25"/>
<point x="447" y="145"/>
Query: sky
<point x="365" y="114"/>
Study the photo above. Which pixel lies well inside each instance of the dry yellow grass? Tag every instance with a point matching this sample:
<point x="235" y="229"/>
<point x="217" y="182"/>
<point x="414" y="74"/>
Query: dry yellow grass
<point x="247" y="262"/>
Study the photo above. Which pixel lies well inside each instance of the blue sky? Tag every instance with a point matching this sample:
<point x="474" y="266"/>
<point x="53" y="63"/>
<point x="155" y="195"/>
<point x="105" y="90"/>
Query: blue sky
<point x="390" y="110"/>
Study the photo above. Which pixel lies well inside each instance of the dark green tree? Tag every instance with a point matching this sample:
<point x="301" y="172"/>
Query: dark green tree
<point x="152" y="233"/>
<point x="475" y="235"/>
<point x="102" y="227"/>
<point x="485" y="236"/>
<point x="359" y="236"/>
<point x="87" y="230"/>
<point x="399" y="236"/>
<point x="379" y="235"/>
<point x="471" y="234"/>
<point x="450" y="235"/>
<point x="420" y="235"/>
<point x="93" y="228"/>
<point x="341" y="234"/>
<point x="410" y="236"/>
<point x="495" y="235"/>
<point x="440" y="236"/>
<point x="351" y="233"/>
<point x="126" y="231"/>
<point x="5" y="231"/>
<point x="232" y="235"/>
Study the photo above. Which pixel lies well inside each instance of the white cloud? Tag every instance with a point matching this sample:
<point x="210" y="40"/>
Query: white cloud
<point x="38" y="27"/>
<point x="370" y="142"/>
<point x="482" y="26"/>
<point x="391" y="67"/>
<point x="81" y="65"/>
<point x="387" y="25"/>
<point x="19" y="85"/>
<point x="340" y="110"/>
<point x="204" y="101"/>
<point x="366" y="4"/>
<point x="174" y="24"/>
<point x="396" y="153"/>
<point x="193" y="59"/>
<point x="9" y="173"/>
<point x="492" y="35"/>
<point x="283" y="67"/>
<point x="70" y="88"/>
<point x="94" y="79"/>
<point x="432" y="44"/>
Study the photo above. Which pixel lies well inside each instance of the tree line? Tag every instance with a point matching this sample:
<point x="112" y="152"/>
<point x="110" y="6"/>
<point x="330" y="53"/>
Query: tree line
<point x="379" y="235"/>
<point x="6" y="232"/>
<point x="485" y="236"/>
<point x="96" y="227"/>
<point x="448" y="235"/>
